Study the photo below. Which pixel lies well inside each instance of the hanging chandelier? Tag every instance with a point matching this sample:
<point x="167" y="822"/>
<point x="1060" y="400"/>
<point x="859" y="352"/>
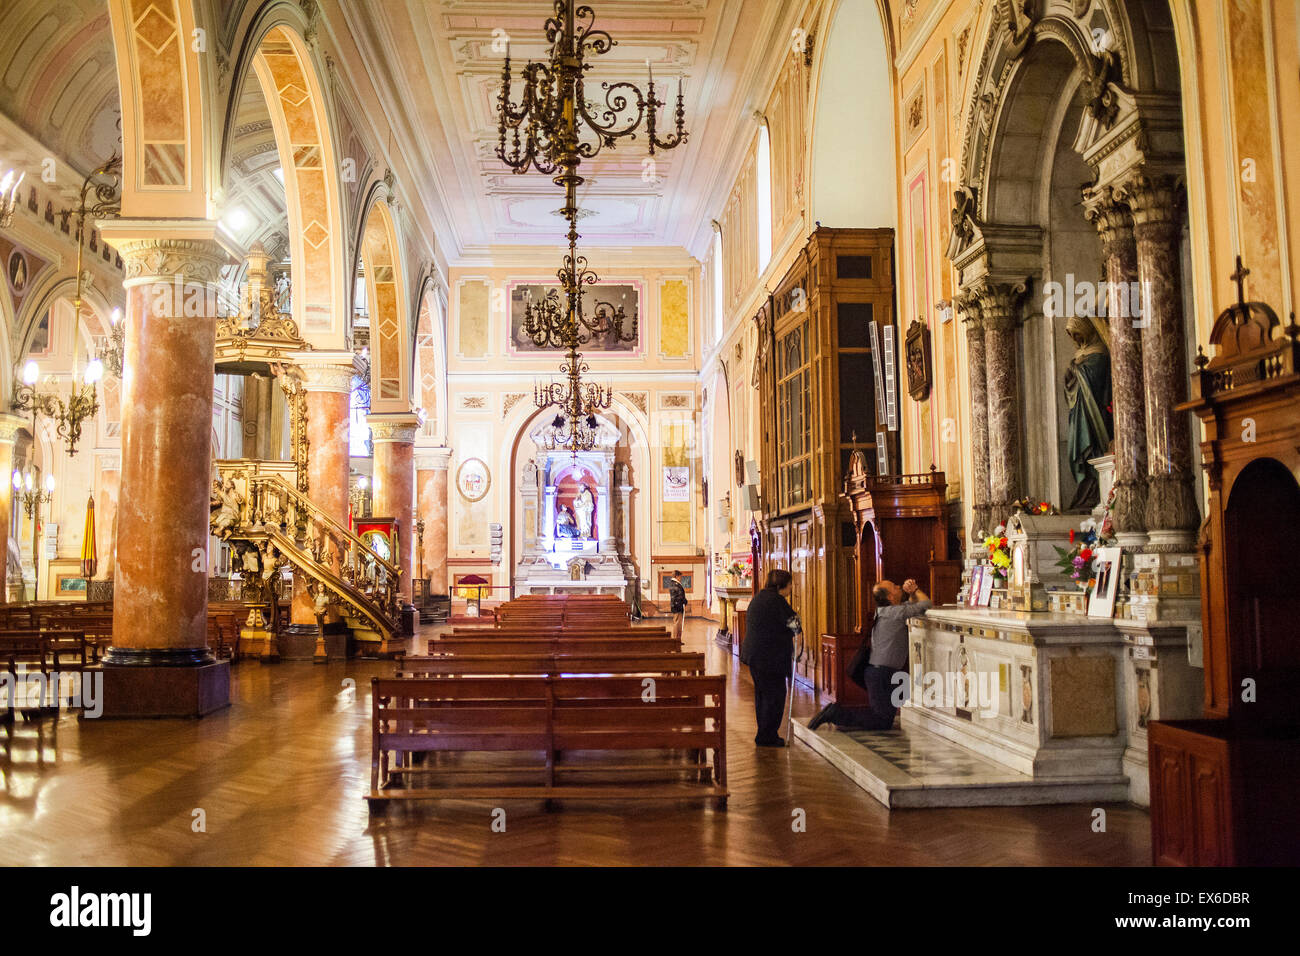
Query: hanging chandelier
<point x="553" y="129"/>
<point x="82" y="402"/>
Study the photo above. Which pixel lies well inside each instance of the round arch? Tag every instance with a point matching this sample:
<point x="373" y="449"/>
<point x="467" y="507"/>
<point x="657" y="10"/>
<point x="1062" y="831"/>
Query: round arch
<point x="380" y="253"/>
<point x="429" y="374"/>
<point x="850" y="168"/>
<point x="284" y="66"/>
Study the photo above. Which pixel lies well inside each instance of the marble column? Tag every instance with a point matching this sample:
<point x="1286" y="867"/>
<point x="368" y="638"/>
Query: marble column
<point x="394" y="478"/>
<point x="1171" y="508"/>
<point x="1114" y="223"/>
<point x="327" y="384"/>
<point x="9" y="426"/>
<point x="979" y="416"/>
<point x="159" y="663"/>
<point x="431" y="478"/>
<point x="999" y="305"/>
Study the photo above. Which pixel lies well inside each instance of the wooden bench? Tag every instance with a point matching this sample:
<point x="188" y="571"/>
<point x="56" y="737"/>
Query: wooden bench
<point x="601" y="717"/>
<point x="548" y="664"/>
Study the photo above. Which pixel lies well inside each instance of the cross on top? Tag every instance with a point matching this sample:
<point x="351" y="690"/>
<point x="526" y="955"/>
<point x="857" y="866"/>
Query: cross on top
<point x="1239" y="277"/>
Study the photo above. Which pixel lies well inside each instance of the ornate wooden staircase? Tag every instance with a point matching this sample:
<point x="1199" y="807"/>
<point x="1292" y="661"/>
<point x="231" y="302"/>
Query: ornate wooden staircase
<point x="270" y="524"/>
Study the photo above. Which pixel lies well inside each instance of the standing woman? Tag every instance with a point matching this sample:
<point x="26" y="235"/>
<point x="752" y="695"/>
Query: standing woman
<point x="770" y="627"/>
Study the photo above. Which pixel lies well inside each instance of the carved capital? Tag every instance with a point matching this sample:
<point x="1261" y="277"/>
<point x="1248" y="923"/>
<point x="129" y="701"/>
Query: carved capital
<point x="325" y="371"/>
<point x="393" y="428"/>
<point x="1113" y="219"/>
<point x="967" y="307"/>
<point x="999" y="303"/>
<point x="1153" y="199"/>
<point x="167" y="259"/>
<point x="432" y="459"/>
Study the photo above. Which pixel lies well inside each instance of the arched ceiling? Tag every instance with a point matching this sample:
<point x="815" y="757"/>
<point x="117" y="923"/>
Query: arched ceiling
<point x="59" y="84"/>
<point x="253" y="177"/>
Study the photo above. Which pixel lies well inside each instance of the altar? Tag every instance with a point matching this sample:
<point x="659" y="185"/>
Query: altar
<point x="574" y="507"/>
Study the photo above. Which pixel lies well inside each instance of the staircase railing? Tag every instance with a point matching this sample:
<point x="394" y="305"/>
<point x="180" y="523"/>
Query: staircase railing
<point x="270" y="508"/>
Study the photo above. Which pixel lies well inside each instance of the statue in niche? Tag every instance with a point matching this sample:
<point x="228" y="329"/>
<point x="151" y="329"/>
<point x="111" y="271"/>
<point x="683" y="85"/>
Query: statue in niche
<point x="565" y="524"/>
<point x="1087" y="394"/>
<point x="584" y="507"/>
<point x="282" y="290"/>
<point x="530" y="476"/>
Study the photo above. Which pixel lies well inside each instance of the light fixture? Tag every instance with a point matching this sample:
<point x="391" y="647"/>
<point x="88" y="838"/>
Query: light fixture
<point x="9" y="197"/>
<point x="33" y="497"/>
<point x="360" y="498"/>
<point x="99" y="199"/>
<point x="113" y="348"/>
<point x="82" y="401"/>
<point x="236" y="220"/>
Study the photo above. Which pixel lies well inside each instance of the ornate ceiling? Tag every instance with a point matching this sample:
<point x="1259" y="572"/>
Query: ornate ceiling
<point x="439" y="58"/>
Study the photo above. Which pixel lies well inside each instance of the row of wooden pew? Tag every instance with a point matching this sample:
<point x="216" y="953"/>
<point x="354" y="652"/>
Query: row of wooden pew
<point x="559" y="610"/>
<point x="602" y="711"/>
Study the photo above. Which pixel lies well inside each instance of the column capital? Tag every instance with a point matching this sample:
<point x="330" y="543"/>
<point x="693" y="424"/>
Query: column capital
<point x="1113" y="218"/>
<point x="324" y="371"/>
<point x="386" y="427"/>
<point x="1152" y="196"/>
<point x="163" y="249"/>
<point x="9" y="426"/>
<point x="432" y="457"/>
<point x="999" y="303"/>
<point x="967" y="307"/>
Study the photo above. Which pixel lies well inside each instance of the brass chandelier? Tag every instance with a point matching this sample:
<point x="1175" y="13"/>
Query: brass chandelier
<point x="553" y="129"/>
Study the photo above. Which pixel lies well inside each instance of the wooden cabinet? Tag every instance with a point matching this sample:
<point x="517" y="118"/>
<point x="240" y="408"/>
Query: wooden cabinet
<point x="833" y="679"/>
<point x="1223" y="789"/>
<point x="822" y="335"/>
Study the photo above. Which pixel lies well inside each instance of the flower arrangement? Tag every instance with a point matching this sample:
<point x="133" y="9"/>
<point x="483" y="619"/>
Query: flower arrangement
<point x="999" y="553"/>
<point x="1027" y="505"/>
<point x="742" y="571"/>
<point x="1079" y="559"/>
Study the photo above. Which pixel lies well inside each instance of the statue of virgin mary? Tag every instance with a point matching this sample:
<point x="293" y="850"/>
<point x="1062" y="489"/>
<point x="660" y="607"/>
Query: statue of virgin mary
<point x="1087" y="393"/>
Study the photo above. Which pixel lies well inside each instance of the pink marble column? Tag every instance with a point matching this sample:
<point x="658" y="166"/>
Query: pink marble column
<point x="160" y="598"/>
<point x="999" y="305"/>
<point x="431" y="478"/>
<point x="1171" y="508"/>
<point x="9" y="426"/>
<point x="979" y="415"/>
<point x="394" y="441"/>
<point x="327" y="382"/>
<point x="1114" y="223"/>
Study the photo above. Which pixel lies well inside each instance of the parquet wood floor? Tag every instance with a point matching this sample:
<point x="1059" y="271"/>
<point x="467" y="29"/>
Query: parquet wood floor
<point x="279" y="778"/>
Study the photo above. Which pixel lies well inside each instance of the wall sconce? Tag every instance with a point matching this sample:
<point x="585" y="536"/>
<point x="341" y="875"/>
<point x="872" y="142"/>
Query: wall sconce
<point x="9" y="198"/>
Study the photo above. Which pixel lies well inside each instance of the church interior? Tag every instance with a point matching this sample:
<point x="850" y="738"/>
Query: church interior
<point x="412" y="410"/>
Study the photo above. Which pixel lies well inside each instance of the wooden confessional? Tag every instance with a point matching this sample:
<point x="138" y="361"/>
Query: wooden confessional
<point x="822" y="335"/>
<point x="1224" y="787"/>
<point x="901" y="531"/>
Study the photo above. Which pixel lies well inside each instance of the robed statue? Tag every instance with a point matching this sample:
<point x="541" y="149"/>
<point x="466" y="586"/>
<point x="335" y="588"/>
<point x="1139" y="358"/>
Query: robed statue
<point x="584" y="507"/>
<point x="1087" y="394"/>
<point x="565" y="525"/>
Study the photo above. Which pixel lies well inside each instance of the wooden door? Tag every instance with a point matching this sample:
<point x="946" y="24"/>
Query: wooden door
<point x="803" y="599"/>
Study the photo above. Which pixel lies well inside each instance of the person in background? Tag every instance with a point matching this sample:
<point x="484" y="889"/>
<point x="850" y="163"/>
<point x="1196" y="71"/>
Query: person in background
<point x="768" y="649"/>
<point x="677" y="603"/>
<point x="888" y="659"/>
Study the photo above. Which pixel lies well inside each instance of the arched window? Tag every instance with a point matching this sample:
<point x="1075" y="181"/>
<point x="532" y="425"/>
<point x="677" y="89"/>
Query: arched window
<point x="718" y="314"/>
<point x="764" y="189"/>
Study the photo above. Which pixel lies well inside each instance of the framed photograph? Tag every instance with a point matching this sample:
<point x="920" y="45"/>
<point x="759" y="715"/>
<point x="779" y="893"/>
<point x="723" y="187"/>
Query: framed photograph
<point x="473" y="479"/>
<point x="70" y="586"/>
<point x="1102" y="602"/>
<point x="986" y="587"/>
<point x="688" y="581"/>
<point x="606" y="297"/>
<point x="976" y="578"/>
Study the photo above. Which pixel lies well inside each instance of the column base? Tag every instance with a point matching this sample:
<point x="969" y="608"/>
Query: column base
<point x="139" y="691"/>
<point x="1164" y="542"/>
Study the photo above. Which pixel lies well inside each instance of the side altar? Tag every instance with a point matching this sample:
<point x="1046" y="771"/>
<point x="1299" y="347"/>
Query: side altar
<point x="575" y="507"/>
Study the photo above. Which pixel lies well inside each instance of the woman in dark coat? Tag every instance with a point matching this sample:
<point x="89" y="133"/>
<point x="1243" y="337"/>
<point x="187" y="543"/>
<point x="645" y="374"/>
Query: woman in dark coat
<point x="768" y="649"/>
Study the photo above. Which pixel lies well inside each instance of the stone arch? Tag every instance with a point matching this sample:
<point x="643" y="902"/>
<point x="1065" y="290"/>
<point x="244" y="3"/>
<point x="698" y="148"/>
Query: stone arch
<point x="275" y="54"/>
<point x="166" y="88"/>
<point x="380" y="253"/>
<point x="852" y="76"/>
<point x="429" y="377"/>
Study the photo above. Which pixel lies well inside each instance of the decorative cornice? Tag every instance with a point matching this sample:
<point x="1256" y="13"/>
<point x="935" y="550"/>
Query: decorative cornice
<point x="9" y="427"/>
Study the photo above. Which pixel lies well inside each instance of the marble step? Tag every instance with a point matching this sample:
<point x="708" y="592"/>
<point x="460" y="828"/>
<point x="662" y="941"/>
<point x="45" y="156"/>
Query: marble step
<point x="916" y="768"/>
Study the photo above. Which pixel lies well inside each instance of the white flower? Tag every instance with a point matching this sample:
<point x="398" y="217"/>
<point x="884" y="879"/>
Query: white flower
<point x="1001" y="530"/>
<point x="1089" y="524"/>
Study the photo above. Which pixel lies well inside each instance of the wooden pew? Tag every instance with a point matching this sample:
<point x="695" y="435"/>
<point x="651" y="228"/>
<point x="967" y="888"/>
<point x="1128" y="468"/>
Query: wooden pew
<point x="552" y="645"/>
<point x="606" y="718"/>
<point x="545" y="664"/>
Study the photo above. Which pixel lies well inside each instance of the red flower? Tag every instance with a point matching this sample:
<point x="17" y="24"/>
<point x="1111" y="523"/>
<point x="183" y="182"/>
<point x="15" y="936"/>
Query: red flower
<point x="1086" y="553"/>
<point x="1071" y="536"/>
<point x="1002" y="543"/>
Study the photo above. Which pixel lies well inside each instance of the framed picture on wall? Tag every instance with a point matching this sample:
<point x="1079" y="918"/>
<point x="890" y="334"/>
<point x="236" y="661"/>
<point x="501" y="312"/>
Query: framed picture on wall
<point x="1102" y="602"/>
<point x="976" y="578"/>
<point x="688" y="580"/>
